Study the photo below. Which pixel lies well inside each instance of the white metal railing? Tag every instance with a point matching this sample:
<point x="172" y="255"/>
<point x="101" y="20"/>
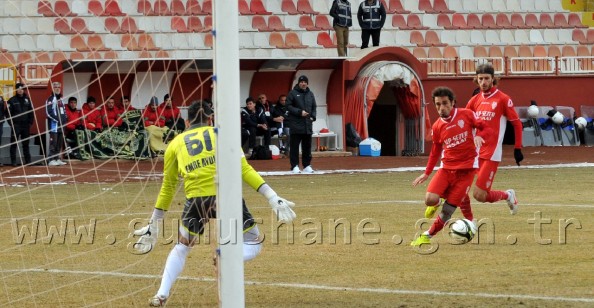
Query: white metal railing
<point x="38" y="72"/>
<point x="576" y="65"/>
<point x="532" y="65"/>
<point x="468" y="65"/>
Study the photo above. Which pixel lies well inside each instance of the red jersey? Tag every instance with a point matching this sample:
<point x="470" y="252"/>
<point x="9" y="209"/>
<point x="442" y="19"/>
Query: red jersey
<point x="151" y="117"/>
<point x="454" y="140"/>
<point x="169" y="113"/>
<point x="74" y="119"/>
<point x="495" y="108"/>
<point x="112" y="117"/>
<point x="91" y="118"/>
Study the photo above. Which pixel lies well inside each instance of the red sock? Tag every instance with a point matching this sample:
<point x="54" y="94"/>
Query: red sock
<point x="496" y="195"/>
<point x="436" y="226"/>
<point x="466" y="209"/>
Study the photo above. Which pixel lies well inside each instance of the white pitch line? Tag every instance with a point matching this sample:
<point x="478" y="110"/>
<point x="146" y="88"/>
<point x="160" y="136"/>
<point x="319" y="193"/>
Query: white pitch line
<point x="315" y="287"/>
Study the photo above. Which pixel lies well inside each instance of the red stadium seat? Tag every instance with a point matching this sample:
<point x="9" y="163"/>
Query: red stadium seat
<point x="112" y="25"/>
<point x="78" y="42"/>
<point x="546" y="21"/>
<point x="322" y="22"/>
<point x="193" y="7"/>
<point x="488" y="21"/>
<point x="495" y="52"/>
<point x="208" y="40"/>
<point x="399" y="22"/>
<point x="110" y="55"/>
<point x="178" y="8"/>
<point x="554" y="51"/>
<point x="195" y="24"/>
<point x="276" y="24"/>
<point x="579" y="36"/>
<point x="288" y="7"/>
<point x="95" y="43"/>
<point x="560" y="21"/>
<point x="7" y="58"/>
<point x="179" y="24"/>
<point x="432" y="39"/>
<point x="590" y="36"/>
<point x="61" y="25"/>
<point x="162" y="54"/>
<point x="450" y="52"/>
<point x="531" y="21"/>
<point x="425" y="5"/>
<point x="276" y="40"/>
<point x="207" y="23"/>
<point x="58" y="57"/>
<point x="510" y="51"/>
<point x="434" y="52"/>
<point x="473" y="21"/>
<point x="45" y="8"/>
<point x="502" y="21"/>
<point x="79" y="26"/>
<point x="129" y="42"/>
<point x="480" y="52"/>
<point x="325" y="40"/>
<point x="420" y="53"/>
<point x="459" y="22"/>
<point x="292" y="40"/>
<point x="304" y="7"/>
<point x="207" y="7"/>
<point x="129" y="25"/>
<point x="441" y="6"/>
<point x="112" y="8"/>
<point x="443" y="20"/>
<point x="517" y="21"/>
<point x="145" y="8"/>
<point x="96" y="8"/>
<point x="307" y="23"/>
<point x="24" y="57"/>
<point x="396" y="7"/>
<point x="416" y="37"/>
<point x="413" y="21"/>
<point x="145" y="41"/>
<point x="62" y="8"/>
<point x="244" y="8"/>
<point x="257" y="7"/>
<point x="161" y="8"/>
<point x="574" y="20"/>
<point x="568" y="51"/>
<point x="259" y="23"/>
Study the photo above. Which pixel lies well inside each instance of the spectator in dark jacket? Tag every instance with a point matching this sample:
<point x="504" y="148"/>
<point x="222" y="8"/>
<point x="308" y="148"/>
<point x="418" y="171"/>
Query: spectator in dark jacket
<point x="20" y="117"/>
<point x="301" y="104"/>
<point x="253" y="123"/>
<point x="55" y="109"/>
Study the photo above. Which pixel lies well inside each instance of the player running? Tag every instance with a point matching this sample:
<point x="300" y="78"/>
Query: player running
<point x="192" y="155"/>
<point x="455" y="139"/>
<point x="495" y="108"/>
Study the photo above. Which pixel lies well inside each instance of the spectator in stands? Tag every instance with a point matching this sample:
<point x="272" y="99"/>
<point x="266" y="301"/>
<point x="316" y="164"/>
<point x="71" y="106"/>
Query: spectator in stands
<point x="371" y="17"/>
<point x="341" y="12"/>
<point x="92" y="119"/>
<point x="20" y="118"/>
<point x="75" y="121"/>
<point x="171" y="114"/>
<point x="126" y="104"/>
<point x="279" y="117"/>
<point x="301" y="104"/>
<point x="253" y="123"/>
<point x="151" y="116"/>
<point x="56" y="120"/>
<point x="112" y="115"/>
<point x="264" y="105"/>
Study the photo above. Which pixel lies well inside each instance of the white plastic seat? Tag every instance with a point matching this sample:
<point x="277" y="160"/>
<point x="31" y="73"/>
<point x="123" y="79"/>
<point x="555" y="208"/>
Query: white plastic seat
<point x="430" y="20"/>
<point x="113" y="41"/>
<point x="513" y="6"/>
<point x="27" y="43"/>
<point x="261" y="40"/>
<point x="195" y="42"/>
<point x="550" y="36"/>
<point x="556" y="6"/>
<point x="499" y="6"/>
<point x="9" y="26"/>
<point x="542" y="6"/>
<point x="402" y="38"/>
<point x="80" y="8"/>
<point x="10" y="42"/>
<point x="455" y="5"/>
<point x="409" y="5"/>
<point x="28" y="26"/>
<point x="96" y="25"/>
<point x="536" y="37"/>
<point x="163" y="40"/>
<point x="29" y="8"/>
<point x="466" y="52"/>
<point x="448" y="37"/>
<point x="521" y="37"/>
<point x="477" y="38"/>
<point x="245" y="40"/>
<point x="528" y="5"/>
<point x="45" y="25"/>
<point x="492" y="37"/>
<point x="565" y="35"/>
<point x="12" y="8"/>
<point x="507" y="37"/>
<point x="479" y="6"/>
<point x="462" y="38"/>
<point x="45" y="42"/>
<point x="274" y="6"/>
<point x="63" y="41"/>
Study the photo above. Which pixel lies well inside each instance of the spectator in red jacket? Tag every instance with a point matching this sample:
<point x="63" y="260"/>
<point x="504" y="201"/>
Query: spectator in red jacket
<point x="112" y="115"/>
<point x="126" y="105"/>
<point x="171" y="114"/>
<point x="92" y="115"/>
<point x="73" y="116"/>
<point x="151" y="116"/>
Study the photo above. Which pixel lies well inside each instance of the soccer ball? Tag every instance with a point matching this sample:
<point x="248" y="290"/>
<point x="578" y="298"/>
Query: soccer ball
<point x="463" y="230"/>
<point x="581" y="123"/>
<point x="533" y="111"/>
<point x="558" y="118"/>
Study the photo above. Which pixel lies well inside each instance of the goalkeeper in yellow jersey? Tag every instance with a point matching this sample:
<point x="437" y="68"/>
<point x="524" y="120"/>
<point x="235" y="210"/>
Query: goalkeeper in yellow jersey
<point x="192" y="154"/>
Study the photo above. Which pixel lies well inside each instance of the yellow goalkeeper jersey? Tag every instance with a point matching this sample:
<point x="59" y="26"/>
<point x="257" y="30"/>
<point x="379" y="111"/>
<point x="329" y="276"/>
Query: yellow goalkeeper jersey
<point x="191" y="154"/>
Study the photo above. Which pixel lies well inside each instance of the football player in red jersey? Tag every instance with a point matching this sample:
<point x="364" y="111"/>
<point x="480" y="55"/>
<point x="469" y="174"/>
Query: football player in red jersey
<point x="495" y="108"/>
<point x="456" y="140"/>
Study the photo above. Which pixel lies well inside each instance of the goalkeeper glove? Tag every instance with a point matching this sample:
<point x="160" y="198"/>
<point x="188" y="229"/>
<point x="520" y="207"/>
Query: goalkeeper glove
<point x="282" y="208"/>
<point x="518" y="156"/>
<point x="148" y="237"/>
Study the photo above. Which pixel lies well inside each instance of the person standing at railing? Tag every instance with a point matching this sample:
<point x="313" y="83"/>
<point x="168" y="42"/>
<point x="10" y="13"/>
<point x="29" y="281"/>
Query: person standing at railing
<point x="343" y="19"/>
<point x="20" y="118"/>
<point x="371" y="17"/>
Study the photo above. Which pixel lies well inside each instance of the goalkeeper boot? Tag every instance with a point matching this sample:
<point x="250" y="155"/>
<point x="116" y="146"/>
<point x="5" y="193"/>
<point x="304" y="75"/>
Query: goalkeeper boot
<point x="512" y="201"/>
<point x="423" y="239"/>
<point x="430" y="210"/>
<point x="157" y="301"/>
